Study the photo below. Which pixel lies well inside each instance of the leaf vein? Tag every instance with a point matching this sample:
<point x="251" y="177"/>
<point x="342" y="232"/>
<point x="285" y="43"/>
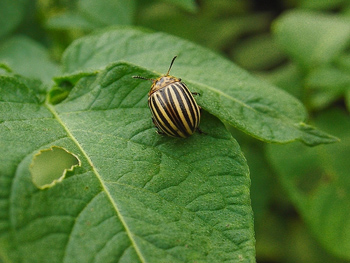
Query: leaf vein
<point x="98" y="176"/>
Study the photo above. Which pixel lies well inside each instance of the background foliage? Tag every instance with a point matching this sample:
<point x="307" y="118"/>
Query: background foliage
<point x="300" y="195"/>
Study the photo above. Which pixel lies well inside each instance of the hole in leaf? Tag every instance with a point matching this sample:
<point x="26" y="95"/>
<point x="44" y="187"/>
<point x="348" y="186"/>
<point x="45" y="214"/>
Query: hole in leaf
<point x="50" y="166"/>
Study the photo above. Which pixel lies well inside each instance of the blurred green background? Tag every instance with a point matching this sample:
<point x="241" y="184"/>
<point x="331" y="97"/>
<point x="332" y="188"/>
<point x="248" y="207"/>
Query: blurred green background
<point x="300" y="195"/>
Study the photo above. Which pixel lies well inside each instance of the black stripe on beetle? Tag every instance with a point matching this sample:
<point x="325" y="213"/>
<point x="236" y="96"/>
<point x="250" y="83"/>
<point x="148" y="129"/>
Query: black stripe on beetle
<point x="174" y="109"/>
<point x="160" y="119"/>
<point x="184" y="110"/>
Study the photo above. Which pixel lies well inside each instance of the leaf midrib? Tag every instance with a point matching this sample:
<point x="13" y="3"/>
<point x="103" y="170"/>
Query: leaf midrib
<point x="103" y="183"/>
<point x="98" y="176"/>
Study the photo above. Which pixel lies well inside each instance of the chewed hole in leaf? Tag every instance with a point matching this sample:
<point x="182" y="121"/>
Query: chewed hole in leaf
<point x="50" y="166"/>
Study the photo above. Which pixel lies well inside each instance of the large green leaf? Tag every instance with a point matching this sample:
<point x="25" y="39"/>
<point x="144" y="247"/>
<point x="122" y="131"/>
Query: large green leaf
<point x="227" y="91"/>
<point x="260" y="52"/>
<point x="90" y="14"/>
<point x="137" y="197"/>
<point x="312" y="39"/>
<point x="28" y="58"/>
<point x="317" y="180"/>
<point x="71" y="20"/>
<point x="108" y="12"/>
<point x="11" y="14"/>
<point x="326" y="84"/>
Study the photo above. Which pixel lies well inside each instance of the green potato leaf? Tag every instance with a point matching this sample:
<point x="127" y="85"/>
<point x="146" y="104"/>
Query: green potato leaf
<point x="137" y="196"/>
<point x="260" y="52"/>
<point x="11" y="15"/>
<point x="326" y="84"/>
<point x="312" y="39"/>
<point x="228" y="92"/>
<point x="90" y="14"/>
<point x="71" y="20"/>
<point x="108" y="12"/>
<point x="28" y="58"/>
<point x="317" y="180"/>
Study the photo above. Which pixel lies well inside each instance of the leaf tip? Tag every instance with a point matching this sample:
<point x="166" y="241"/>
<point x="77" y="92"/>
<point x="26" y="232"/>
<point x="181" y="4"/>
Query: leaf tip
<point x="312" y="136"/>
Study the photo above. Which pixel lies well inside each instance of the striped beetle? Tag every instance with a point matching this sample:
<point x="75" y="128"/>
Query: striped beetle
<point x="174" y="110"/>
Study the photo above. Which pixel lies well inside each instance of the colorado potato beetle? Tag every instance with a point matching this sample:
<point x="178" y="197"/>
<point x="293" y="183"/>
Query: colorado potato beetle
<point x="174" y="109"/>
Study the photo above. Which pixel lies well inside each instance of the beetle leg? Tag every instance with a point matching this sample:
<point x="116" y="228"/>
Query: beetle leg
<point x="158" y="130"/>
<point x="195" y="93"/>
<point x="200" y="131"/>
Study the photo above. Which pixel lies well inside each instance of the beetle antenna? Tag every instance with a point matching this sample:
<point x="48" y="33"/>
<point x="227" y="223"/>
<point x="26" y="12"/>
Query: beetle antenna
<point x="140" y="77"/>
<point x="171" y="64"/>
